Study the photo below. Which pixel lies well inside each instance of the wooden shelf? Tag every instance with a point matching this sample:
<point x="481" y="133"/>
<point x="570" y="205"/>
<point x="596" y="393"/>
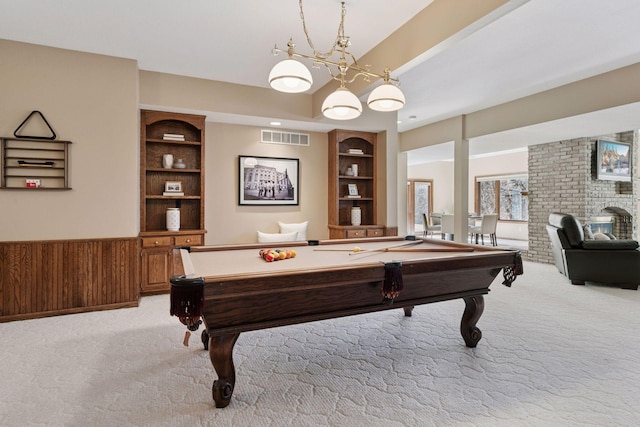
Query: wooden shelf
<point x="174" y="197"/>
<point x="34" y="159"/>
<point x="173" y="170"/>
<point x="354" y="155"/>
<point x="172" y="142"/>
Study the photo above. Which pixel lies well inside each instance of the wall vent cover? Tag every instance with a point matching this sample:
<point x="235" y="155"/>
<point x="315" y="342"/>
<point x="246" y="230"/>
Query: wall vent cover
<point x="285" y="138"/>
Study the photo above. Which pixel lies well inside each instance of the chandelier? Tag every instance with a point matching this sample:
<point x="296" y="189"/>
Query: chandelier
<point x="292" y="76"/>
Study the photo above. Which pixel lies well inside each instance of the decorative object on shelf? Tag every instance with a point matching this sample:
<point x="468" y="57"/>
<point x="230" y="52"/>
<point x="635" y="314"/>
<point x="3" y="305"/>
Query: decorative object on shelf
<point x="349" y="172"/>
<point x="173" y="137"/>
<point x="268" y="181"/>
<point x="32" y="183"/>
<point x="167" y="161"/>
<point x="173" y="186"/>
<point x="36" y="163"/>
<point x="356" y="215"/>
<point x="292" y="76"/>
<point x="353" y="190"/>
<point x="173" y="219"/>
<point x="179" y="164"/>
<point x="355" y="151"/>
<point x="354" y="168"/>
<point x="24" y="122"/>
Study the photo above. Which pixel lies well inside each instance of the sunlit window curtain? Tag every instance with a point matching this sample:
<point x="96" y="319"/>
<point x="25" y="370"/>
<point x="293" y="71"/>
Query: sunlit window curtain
<point x="421" y="200"/>
<point x="504" y="195"/>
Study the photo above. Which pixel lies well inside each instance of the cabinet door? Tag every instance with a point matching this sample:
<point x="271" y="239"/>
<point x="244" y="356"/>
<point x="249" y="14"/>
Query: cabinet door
<point x="156" y="270"/>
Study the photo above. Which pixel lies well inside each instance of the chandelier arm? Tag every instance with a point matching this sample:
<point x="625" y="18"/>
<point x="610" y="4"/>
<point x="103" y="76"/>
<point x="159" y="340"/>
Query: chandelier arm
<point x="334" y="76"/>
<point x="310" y="43"/>
<point x="326" y="62"/>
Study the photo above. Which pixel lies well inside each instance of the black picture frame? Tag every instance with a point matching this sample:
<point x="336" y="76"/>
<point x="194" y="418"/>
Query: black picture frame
<point x="268" y="181"/>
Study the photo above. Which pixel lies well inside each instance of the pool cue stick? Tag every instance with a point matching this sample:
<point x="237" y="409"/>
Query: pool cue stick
<point x="334" y="250"/>
<point x="430" y="250"/>
<point x="411" y="243"/>
<point x="368" y="250"/>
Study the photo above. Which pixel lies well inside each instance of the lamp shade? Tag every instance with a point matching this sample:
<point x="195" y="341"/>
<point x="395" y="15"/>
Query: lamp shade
<point x="386" y="97"/>
<point x="341" y="105"/>
<point x="290" y="76"/>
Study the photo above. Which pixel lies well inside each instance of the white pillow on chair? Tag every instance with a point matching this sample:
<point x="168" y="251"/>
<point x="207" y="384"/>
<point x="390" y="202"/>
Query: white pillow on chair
<point x="301" y="228"/>
<point x="277" y="237"/>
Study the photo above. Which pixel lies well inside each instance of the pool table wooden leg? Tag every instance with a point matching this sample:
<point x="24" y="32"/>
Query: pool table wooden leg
<point x="221" y="355"/>
<point x="204" y="337"/>
<point x="474" y="306"/>
<point x="408" y="310"/>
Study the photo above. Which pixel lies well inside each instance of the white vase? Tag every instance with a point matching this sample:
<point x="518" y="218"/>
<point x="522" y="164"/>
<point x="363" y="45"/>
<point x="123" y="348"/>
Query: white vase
<point x="356" y="215"/>
<point x="173" y="219"/>
<point x="354" y="168"/>
<point x="167" y="161"/>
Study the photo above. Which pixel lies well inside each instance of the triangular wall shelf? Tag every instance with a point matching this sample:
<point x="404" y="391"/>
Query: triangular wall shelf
<point x="15" y="132"/>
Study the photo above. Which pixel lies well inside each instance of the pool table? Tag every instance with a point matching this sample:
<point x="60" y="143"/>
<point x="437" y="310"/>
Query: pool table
<point x="242" y="292"/>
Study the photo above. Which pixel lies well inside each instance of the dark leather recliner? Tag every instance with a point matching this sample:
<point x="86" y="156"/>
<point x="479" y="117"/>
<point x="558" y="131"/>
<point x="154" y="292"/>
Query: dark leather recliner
<point x="615" y="262"/>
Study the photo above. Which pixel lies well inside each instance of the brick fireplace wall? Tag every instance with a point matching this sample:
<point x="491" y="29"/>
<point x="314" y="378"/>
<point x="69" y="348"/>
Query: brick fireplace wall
<point x="562" y="178"/>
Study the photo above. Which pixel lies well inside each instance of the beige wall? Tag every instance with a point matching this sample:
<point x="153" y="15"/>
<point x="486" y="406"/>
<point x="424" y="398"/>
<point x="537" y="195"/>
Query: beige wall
<point x="228" y="222"/>
<point x="91" y="100"/>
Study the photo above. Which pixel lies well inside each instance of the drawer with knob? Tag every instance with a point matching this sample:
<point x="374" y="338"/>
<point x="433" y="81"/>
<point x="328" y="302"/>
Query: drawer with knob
<point x="188" y="240"/>
<point x="154" y="242"/>
<point x="375" y="232"/>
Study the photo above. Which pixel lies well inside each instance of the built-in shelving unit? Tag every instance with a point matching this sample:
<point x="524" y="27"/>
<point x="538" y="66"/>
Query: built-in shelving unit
<point x="157" y="242"/>
<point x="346" y="149"/>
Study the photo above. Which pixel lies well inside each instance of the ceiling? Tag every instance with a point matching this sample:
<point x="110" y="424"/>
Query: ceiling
<point x="533" y="46"/>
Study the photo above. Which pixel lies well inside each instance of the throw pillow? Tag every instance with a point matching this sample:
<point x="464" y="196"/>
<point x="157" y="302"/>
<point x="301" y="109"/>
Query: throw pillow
<point x="277" y="237"/>
<point x="300" y="228"/>
<point x="588" y="233"/>
<point x="600" y="236"/>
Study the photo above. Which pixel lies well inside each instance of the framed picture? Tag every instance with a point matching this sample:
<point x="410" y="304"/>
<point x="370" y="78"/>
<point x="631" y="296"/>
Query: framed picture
<point x="613" y="160"/>
<point x="173" y="186"/>
<point x="353" y="190"/>
<point x="268" y="180"/>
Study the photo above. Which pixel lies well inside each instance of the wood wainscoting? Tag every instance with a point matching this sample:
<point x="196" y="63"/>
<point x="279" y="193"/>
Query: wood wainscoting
<point x="47" y="278"/>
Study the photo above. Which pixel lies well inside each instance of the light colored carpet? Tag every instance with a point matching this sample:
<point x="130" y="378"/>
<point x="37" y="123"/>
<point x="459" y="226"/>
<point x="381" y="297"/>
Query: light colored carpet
<point x="552" y="354"/>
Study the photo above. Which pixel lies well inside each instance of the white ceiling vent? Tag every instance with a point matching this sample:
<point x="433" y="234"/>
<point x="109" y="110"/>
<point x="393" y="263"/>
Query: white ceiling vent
<point x="285" y="138"/>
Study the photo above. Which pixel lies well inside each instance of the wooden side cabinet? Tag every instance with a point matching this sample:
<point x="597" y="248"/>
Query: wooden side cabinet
<point x="156" y="269"/>
<point x="157" y="259"/>
<point x="180" y="136"/>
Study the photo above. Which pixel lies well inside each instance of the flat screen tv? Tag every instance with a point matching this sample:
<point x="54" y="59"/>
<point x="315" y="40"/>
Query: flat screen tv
<point x="613" y="161"/>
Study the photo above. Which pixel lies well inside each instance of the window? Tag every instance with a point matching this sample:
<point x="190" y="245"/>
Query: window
<point x="505" y="195"/>
<point x="420" y="201"/>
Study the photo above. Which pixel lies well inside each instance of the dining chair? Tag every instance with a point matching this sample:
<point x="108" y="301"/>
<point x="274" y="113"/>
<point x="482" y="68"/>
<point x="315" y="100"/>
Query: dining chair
<point x="432" y="226"/>
<point x="447" y="226"/>
<point x="487" y="226"/>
